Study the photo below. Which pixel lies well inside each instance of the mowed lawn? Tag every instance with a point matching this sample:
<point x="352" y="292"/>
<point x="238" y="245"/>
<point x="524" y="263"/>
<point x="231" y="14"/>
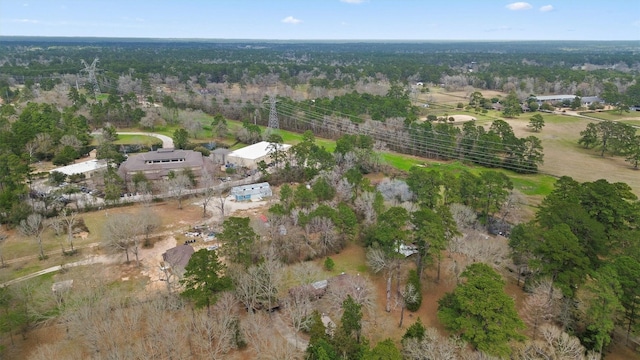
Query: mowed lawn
<point x="563" y="156"/>
<point x="614" y="115"/>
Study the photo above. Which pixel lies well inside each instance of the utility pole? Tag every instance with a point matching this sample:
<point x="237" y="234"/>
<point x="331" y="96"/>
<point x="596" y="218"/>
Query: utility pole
<point x="91" y="71"/>
<point x="273" y="113"/>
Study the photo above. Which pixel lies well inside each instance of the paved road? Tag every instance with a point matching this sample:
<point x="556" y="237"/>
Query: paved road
<point x="103" y="259"/>
<point x="167" y="142"/>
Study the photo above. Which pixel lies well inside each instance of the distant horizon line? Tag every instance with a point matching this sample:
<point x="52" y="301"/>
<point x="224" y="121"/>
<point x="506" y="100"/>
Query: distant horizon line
<point x="295" y="40"/>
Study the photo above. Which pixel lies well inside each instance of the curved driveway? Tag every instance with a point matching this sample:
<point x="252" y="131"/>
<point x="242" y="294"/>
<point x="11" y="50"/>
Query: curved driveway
<point x="167" y="142"/>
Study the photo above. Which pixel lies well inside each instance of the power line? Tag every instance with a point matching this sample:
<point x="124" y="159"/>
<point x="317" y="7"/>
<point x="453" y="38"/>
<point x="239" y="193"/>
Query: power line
<point x="437" y="144"/>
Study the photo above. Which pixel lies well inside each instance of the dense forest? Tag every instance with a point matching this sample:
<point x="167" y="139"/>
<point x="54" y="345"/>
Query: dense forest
<point x="576" y="259"/>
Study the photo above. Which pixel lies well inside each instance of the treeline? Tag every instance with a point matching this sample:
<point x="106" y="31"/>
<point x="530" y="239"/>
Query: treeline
<point x="329" y="65"/>
<point x="613" y="138"/>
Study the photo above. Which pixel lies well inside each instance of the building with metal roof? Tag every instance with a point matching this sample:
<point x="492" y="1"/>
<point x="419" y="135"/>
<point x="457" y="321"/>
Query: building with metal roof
<point x="88" y="168"/>
<point x="250" y="156"/>
<point x="251" y="192"/>
<point x="585" y="100"/>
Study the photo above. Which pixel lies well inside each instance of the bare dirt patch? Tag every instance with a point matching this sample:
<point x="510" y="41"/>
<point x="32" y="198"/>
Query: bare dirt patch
<point x="462" y="118"/>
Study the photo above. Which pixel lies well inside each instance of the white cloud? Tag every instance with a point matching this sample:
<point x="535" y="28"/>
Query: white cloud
<point x="547" y="8"/>
<point x="501" y="28"/>
<point x="25" y="21"/>
<point x="353" y="1"/>
<point x="519" y="6"/>
<point x="291" y="20"/>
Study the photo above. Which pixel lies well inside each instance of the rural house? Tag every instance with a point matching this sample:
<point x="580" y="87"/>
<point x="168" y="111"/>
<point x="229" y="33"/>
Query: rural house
<point x="177" y="258"/>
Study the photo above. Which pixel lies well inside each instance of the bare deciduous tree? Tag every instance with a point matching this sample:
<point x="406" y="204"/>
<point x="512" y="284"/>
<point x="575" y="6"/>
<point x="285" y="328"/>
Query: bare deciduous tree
<point x="177" y="186"/>
<point x="509" y="209"/>
<point x="304" y="273"/>
<point x="208" y="183"/>
<point x="297" y="310"/>
<point x="120" y="234"/>
<point x="359" y="287"/>
<point x="478" y="247"/>
<point x="214" y="335"/>
<point x="70" y="140"/>
<point x="44" y="141"/>
<point x="542" y="305"/>
<point x="395" y="190"/>
<point x="259" y="332"/>
<point x="193" y="126"/>
<point x="328" y="237"/>
<point x="379" y="261"/>
<point x="221" y="205"/>
<point x="33" y="226"/>
<point x="364" y="204"/>
<point x="246" y="286"/>
<point x="148" y="221"/>
<point x="464" y="216"/>
<point x="433" y="346"/>
<point x="69" y="219"/>
<point x="554" y="344"/>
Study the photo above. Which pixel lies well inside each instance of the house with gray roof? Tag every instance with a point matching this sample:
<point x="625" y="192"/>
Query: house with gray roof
<point x="177" y="258"/>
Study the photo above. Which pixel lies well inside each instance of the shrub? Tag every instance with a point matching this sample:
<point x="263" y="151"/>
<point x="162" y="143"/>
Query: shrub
<point x="203" y="150"/>
<point x="329" y="264"/>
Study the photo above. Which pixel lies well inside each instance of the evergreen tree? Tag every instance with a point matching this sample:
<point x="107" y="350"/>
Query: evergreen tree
<point x="481" y="312"/>
<point x="237" y="239"/>
<point x="204" y="278"/>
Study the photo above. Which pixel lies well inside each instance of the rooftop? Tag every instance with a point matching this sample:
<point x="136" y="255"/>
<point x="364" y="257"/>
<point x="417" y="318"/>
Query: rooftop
<point x="555" y="97"/>
<point x="262" y="189"/>
<point x="179" y="256"/>
<point x="163" y="159"/>
<point x="256" y="151"/>
<point x="83" y="167"/>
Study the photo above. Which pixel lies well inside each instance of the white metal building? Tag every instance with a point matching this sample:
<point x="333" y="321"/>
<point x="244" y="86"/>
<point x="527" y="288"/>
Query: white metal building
<point x="250" y="156"/>
<point x="88" y="168"/>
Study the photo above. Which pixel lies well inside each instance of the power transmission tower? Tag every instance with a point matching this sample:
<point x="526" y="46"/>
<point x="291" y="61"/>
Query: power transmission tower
<point x="91" y="71"/>
<point x="273" y="114"/>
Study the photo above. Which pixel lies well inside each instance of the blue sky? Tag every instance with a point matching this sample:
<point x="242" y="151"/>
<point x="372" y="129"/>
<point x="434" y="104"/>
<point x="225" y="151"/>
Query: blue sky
<point x="326" y="19"/>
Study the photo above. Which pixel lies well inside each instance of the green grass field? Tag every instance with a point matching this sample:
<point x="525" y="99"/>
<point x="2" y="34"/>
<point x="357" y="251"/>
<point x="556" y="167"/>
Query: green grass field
<point x="613" y="115"/>
<point x="138" y="139"/>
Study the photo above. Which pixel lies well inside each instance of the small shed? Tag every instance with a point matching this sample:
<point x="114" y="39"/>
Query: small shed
<point x="251" y="192"/>
<point x="219" y="155"/>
